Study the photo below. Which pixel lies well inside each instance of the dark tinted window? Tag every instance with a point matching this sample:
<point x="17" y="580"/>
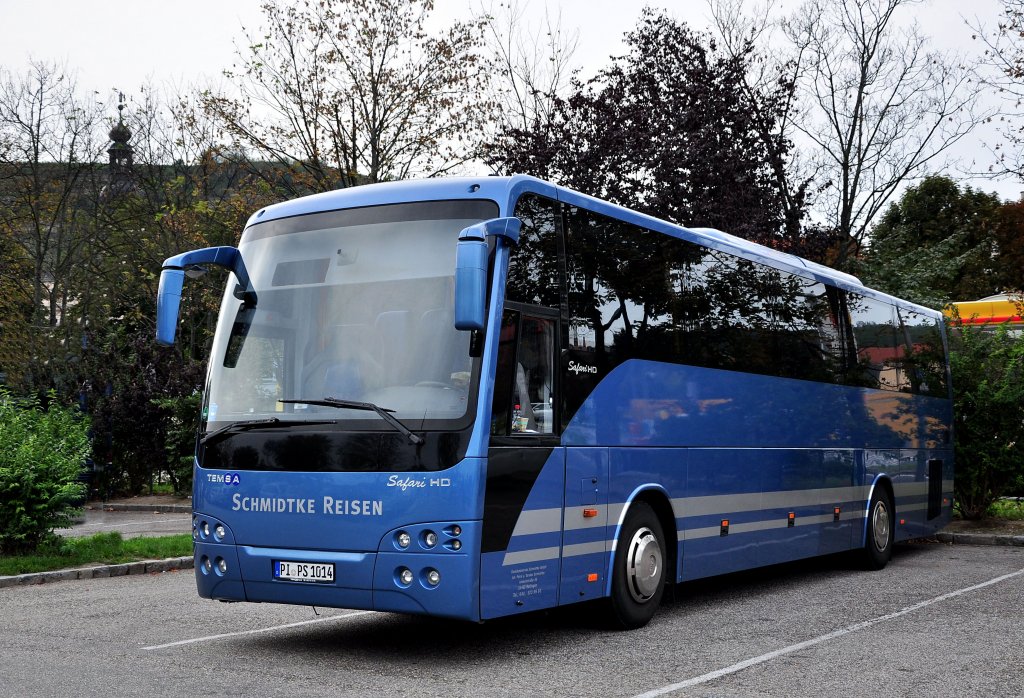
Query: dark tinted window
<point x="922" y="354"/>
<point x="637" y="294"/>
<point x="874" y="333"/>
<point x="534" y="269"/>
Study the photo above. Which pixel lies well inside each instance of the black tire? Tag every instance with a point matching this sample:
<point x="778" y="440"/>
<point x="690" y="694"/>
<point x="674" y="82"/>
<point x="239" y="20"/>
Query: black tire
<point x="638" y="575"/>
<point x="880" y="535"/>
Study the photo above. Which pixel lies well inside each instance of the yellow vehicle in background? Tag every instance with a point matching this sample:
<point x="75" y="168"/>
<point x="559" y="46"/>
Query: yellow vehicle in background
<point x="992" y="310"/>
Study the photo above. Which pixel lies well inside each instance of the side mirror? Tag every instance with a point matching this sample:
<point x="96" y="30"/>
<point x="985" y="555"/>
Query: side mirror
<point x="172" y="280"/>
<point x="471" y="269"/>
<point x="168" y="305"/>
<point x="470" y="283"/>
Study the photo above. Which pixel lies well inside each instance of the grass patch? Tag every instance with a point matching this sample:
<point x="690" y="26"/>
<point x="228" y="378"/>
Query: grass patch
<point x="103" y="548"/>
<point x="1011" y="509"/>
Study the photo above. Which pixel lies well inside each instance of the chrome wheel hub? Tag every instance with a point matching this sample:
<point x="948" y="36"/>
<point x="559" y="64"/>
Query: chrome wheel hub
<point x="643" y="565"/>
<point x="880" y="524"/>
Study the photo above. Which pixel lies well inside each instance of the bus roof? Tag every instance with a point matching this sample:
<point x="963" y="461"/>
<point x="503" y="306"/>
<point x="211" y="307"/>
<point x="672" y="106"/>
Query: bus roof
<point x="503" y="189"/>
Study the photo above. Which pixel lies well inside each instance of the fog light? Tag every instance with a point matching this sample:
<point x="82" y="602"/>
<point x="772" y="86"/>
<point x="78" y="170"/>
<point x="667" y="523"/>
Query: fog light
<point x="430" y="539"/>
<point x="433" y="577"/>
<point x="403" y="539"/>
<point x="222" y="565"/>
<point x="405" y="576"/>
<point x="219" y="532"/>
<point x="204" y="528"/>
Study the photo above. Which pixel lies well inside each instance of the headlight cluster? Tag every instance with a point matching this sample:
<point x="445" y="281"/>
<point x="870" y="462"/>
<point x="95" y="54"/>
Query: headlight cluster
<point x="217" y="565"/>
<point x="429" y="577"/>
<point x="425" y="539"/>
<point x="205" y="530"/>
<point x="428" y="539"/>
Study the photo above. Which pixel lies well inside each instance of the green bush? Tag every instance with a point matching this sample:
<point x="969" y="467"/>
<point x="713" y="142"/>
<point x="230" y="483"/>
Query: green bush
<point x="988" y="385"/>
<point x="180" y="439"/>
<point x="42" y="452"/>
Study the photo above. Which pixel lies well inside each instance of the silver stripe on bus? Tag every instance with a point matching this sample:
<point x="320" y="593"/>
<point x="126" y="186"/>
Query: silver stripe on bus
<point x="599" y="546"/>
<point x="751" y="526"/>
<point x="538" y="521"/>
<point x="902" y="508"/>
<point x="755" y="501"/>
<point x="909" y="489"/>
<point x="534" y="521"/>
<point x="523" y="557"/>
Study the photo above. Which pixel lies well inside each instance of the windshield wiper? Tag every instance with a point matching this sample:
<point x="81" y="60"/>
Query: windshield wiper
<point x="273" y="422"/>
<point x="383" y="412"/>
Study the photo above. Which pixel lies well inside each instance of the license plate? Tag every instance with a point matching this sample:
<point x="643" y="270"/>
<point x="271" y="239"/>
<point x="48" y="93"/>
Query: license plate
<point x="304" y="571"/>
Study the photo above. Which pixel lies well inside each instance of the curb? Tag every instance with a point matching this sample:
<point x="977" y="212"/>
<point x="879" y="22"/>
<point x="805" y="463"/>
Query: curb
<point x="100" y="572"/>
<point x="980" y="539"/>
<point x="154" y="508"/>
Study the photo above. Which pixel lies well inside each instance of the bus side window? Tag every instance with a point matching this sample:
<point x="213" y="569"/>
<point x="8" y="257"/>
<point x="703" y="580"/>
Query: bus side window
<point x="524" y="384"/>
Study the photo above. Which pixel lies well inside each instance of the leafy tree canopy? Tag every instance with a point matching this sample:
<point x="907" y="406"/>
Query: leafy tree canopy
<point x="671" y="129"/>
<point x="938" y="244"/>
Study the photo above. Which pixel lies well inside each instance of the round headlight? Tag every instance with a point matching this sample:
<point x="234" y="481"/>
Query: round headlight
<point x="219" y="531"/>
<point x="433" y="577"/>
<point x="403" y="539"/>
<point x="430" y="539"/>
<point x="204" y="528"/>
<point x="207" y="564"/>
<point x="222" y="565"/>
<point x="405" y="576"/>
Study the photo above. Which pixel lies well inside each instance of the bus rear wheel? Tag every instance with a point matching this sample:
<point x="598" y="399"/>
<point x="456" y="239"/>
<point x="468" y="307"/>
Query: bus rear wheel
<point x="638" y="576"/>
<point x="881" y="531"/>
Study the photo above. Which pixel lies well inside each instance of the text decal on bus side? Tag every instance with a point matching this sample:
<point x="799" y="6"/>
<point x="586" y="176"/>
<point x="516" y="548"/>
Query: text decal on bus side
<point x="294" y="505"/>
<point x="581" y="368"/>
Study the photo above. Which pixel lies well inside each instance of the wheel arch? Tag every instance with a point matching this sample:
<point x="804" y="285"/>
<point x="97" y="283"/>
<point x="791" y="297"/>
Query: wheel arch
<point x="884" y="483"/>
<point x="656" y="497"/>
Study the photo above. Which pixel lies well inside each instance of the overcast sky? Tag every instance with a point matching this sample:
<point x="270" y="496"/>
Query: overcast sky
<point x="124" y="44"/>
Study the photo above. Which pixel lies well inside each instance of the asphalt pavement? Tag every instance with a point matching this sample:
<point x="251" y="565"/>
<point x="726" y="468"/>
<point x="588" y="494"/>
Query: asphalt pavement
<point x="939" y="620"/>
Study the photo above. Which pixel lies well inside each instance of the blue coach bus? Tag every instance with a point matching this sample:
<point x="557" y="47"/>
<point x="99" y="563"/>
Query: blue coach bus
<point x="480" y="397"/>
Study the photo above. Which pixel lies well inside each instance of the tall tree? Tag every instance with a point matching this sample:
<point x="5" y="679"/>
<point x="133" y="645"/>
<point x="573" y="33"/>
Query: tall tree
<point x="342" y="92"/>
<point x="1003" y="71"/>
<point x="532" y="65"/>
<point x="1009" y="243"/>
<point x="50" y="142"/>
<point x="936" y="244"/>
<point x="669" y="129"/>
<point x="881" y="108"/>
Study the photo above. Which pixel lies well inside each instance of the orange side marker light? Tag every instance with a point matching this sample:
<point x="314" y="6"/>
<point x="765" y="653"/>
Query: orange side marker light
<point x="589" y="513"/>
<point x="592" y="577"/>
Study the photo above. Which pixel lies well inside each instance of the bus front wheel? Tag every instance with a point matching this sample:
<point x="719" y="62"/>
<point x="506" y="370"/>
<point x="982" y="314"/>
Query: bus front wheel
<point x="638" y="577"/>
<point x="881" y="530"/>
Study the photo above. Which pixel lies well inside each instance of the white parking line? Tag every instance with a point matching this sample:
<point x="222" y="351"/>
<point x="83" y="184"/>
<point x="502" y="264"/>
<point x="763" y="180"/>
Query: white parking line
<point x="740" y="666"/>
<point x="210" y="638"/>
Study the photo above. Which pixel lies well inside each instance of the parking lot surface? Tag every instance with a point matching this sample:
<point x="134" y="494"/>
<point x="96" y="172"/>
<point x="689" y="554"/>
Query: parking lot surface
<point x="940" y="620"/>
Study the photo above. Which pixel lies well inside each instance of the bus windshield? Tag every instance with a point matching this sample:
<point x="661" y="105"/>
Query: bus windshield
<point x="354" y="305"/>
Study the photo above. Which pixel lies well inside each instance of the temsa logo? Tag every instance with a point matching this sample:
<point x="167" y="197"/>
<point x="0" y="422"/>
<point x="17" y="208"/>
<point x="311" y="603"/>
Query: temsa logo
<point x="225" y="479"/>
